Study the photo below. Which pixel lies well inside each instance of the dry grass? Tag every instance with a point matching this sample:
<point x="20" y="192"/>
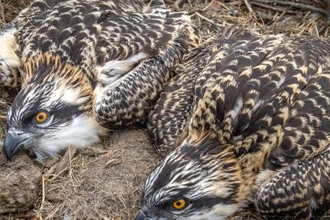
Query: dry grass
<point x="104" y="181"/>
<point x="10" y="8"/>
<point x="263" y="18"/>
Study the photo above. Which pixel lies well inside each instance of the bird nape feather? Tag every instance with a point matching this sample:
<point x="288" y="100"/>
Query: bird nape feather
<point x="254" y="124"/>
<point x="85" y="67"/>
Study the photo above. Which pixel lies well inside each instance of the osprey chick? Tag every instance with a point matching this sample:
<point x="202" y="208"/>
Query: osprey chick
<point x="86" y="66"/>
<point x="247" y="107"/>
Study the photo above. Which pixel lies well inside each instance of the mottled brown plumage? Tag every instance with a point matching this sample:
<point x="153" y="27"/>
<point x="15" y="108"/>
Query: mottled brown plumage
<point x="249" y="107"/>
<point x="301" y="191"/>
<point x="88" y="65"/>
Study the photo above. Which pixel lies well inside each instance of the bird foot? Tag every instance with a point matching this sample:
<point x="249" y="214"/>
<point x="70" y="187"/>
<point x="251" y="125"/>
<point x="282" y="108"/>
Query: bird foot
<point x="116" y="69"/>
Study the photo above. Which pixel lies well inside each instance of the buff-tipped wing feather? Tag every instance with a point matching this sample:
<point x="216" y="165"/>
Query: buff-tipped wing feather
<point x="128" y="99"/>
<point x="169" y="117"/>
<point x="89" y="66"/>
<point x="300" y="192"/>
<point x="261" y="101"/>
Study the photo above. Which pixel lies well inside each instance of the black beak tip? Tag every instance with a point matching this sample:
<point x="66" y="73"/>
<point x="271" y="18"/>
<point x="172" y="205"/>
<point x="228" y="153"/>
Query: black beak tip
<point x="140" y="216"/>
<point x="11" y="146"/>
<point x="8" y="156"/>
<point x="7" y="151"/>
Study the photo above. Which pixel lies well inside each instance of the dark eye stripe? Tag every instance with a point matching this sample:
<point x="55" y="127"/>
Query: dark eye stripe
<point x="209" y="202"/>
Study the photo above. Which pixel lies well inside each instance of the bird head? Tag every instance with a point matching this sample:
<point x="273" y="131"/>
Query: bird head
<point x="52" y="111"/>
<point x="200" y="179"/>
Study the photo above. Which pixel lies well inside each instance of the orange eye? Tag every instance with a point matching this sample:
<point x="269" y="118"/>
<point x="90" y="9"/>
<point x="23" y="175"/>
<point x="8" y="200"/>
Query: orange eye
<point x="41" y="117"/>
<point x="179" y="204"/>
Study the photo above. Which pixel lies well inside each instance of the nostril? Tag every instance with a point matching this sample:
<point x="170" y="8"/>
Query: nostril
<point x="19" y="133"/>
<point x="15" y="132"/>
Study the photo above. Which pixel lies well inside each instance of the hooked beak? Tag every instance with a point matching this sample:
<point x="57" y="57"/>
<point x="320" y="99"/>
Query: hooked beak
<point x="140" y="216"/>
<point x="15" y="140"/>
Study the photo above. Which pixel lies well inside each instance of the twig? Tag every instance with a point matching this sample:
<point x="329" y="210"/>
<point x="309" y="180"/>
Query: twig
<point x="207" y="6"/>
<point x="72" y="151"/>
<point x="113" y="162"/>
<point x="207" y="19"/>
<point x="177" y="4"/>
<point x="313" y="27"/>
<point x="269" y="7"/>
<point x="223" y="5"/>
<point x="2" y="117"/>
<point x="278" y="17"/>
<point x="25" y="215"/>
<point x="250" y="9"/>
<point x="293" y="4"/>
<point x="43" y="198"/>
<point x="61" y="166"/>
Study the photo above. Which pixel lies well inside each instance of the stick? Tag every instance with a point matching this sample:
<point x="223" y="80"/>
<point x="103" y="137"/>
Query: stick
<point x="293" y="4"/>
<point x="61" y="166"/>
<point x="25" y="215"/>
<point x="269" y="7"/>
<point x="250" y="9"/>
<point x="207" y="19"/>
<point x="223" y="5"/>
<point x="43" y="198"/>
<point x="207" y="6"/>
<point x="177" y="4"/>
<point x="72" y="152"/>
